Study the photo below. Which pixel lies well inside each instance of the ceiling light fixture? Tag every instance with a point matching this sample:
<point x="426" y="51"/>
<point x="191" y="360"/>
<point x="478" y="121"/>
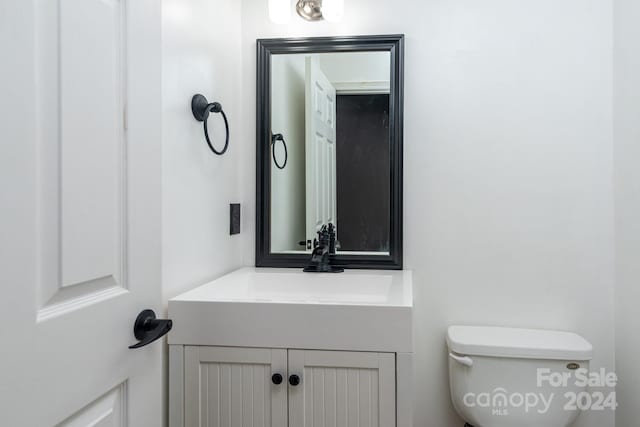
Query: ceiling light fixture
<point x="310" y="10"/>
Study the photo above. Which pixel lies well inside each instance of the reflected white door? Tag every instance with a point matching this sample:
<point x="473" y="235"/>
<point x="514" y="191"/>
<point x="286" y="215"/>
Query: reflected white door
<point x="320" y="148"/>
<point x="80" y="246"/>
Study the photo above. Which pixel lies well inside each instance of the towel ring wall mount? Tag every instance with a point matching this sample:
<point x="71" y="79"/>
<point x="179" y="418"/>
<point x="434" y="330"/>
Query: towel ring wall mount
<point x="274" y="138"/>
<point x="201" y="108"/>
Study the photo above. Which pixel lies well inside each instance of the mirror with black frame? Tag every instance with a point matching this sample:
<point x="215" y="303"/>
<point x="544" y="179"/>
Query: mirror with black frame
<point x="329" y="150"/>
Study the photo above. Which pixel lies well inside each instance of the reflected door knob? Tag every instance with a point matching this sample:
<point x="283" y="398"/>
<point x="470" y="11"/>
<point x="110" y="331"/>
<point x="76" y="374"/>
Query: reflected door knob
<point x="294" y="380"/>
<point x="276" y="379"/>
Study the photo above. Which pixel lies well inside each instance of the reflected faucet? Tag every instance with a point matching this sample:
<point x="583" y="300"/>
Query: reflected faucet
<point x="325" y="246"/>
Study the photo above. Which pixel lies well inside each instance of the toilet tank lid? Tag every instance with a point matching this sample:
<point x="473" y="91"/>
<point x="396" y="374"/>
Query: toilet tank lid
<point x="518" y="343"/>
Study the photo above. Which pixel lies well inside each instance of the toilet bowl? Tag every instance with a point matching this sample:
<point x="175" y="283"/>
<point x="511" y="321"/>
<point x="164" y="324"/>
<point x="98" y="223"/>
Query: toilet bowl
<point x="506" y="377"/>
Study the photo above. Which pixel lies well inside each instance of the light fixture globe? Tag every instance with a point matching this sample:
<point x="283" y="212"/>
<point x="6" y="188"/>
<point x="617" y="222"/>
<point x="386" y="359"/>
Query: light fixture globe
<point x="311" y="10"/>
<point x="333" y="10"/>
<point x="280" y="11"/>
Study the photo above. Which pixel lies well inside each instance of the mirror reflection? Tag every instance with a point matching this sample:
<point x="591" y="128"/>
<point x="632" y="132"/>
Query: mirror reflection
<point x="330" y="150"/>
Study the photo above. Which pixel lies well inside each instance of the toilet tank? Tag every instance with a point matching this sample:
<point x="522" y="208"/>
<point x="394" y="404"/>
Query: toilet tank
<point x="506" y="377"/>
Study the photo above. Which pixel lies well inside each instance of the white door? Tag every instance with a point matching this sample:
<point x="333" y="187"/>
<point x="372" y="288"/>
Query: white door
<point x="320" y="148"/>
<point x="342" y="388"/>
<point x="80" y="227"/>
<point x="229" y="387"/>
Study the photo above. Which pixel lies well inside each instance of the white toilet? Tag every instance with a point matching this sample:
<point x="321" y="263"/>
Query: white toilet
<point x="505" y="377"/>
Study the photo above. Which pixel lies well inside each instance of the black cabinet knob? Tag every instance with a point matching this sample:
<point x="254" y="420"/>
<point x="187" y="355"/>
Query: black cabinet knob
<point x="294" y="380"/>
<point x="276" y="379"/>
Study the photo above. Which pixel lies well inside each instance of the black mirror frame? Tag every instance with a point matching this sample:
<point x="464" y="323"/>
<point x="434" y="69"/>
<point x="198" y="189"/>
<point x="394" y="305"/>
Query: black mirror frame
<point x="394" y="44"/>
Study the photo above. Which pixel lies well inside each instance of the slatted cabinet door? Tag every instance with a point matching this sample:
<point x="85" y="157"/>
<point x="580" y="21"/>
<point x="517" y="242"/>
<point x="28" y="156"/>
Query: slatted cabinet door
<point x="232" y="387"/>
<point x="342" y="389"/>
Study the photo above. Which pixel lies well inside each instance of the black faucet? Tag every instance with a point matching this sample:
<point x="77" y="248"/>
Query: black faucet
<point x="325" y="246"/>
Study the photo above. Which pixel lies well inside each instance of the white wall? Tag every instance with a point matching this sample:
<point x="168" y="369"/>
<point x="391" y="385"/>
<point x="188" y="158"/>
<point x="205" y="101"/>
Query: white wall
<point x="627" y="182"/>
<point x="201" y="54"/>
<point x="356" y="67"/>
<point x="288" y="197"/>
<point x="508" y="166"/>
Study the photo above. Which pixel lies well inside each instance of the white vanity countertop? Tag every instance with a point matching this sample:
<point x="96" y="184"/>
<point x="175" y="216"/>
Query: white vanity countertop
<point x="366" y="310"/>
<point x="292" y="286"/>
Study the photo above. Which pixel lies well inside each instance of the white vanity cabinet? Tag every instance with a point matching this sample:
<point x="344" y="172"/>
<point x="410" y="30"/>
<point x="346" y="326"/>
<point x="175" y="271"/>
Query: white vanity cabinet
<point x="342" y="388"/>
<point x="227" y="386"/>
<point x="347" y="339"/>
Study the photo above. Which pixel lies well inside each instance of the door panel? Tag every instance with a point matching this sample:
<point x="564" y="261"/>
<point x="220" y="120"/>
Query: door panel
<point x="81" y="177"/>
<point x="90" y="140"/>
<point x="229" y="387"/>
<point x="82" y="141"/>
<point x="107" y="411"/>
<point x="342" y="389"/>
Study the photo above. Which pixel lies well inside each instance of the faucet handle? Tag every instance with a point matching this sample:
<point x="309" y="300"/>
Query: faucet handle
<point x="323" y="235"/>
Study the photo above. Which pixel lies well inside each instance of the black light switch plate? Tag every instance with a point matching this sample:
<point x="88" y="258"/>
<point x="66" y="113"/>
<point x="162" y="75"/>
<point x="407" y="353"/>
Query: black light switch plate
<point x="234" y="218"/>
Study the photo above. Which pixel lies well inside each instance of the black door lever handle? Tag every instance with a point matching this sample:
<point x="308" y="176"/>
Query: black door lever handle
<point x="147" y="328"/>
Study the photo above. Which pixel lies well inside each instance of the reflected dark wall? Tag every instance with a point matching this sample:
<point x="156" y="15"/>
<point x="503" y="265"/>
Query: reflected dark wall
<point x="362" y="168"/>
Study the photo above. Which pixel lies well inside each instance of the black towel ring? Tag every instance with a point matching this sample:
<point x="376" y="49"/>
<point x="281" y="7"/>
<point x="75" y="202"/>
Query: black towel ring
<point x="201" y="108"/>
<point x="274" y="138"/>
